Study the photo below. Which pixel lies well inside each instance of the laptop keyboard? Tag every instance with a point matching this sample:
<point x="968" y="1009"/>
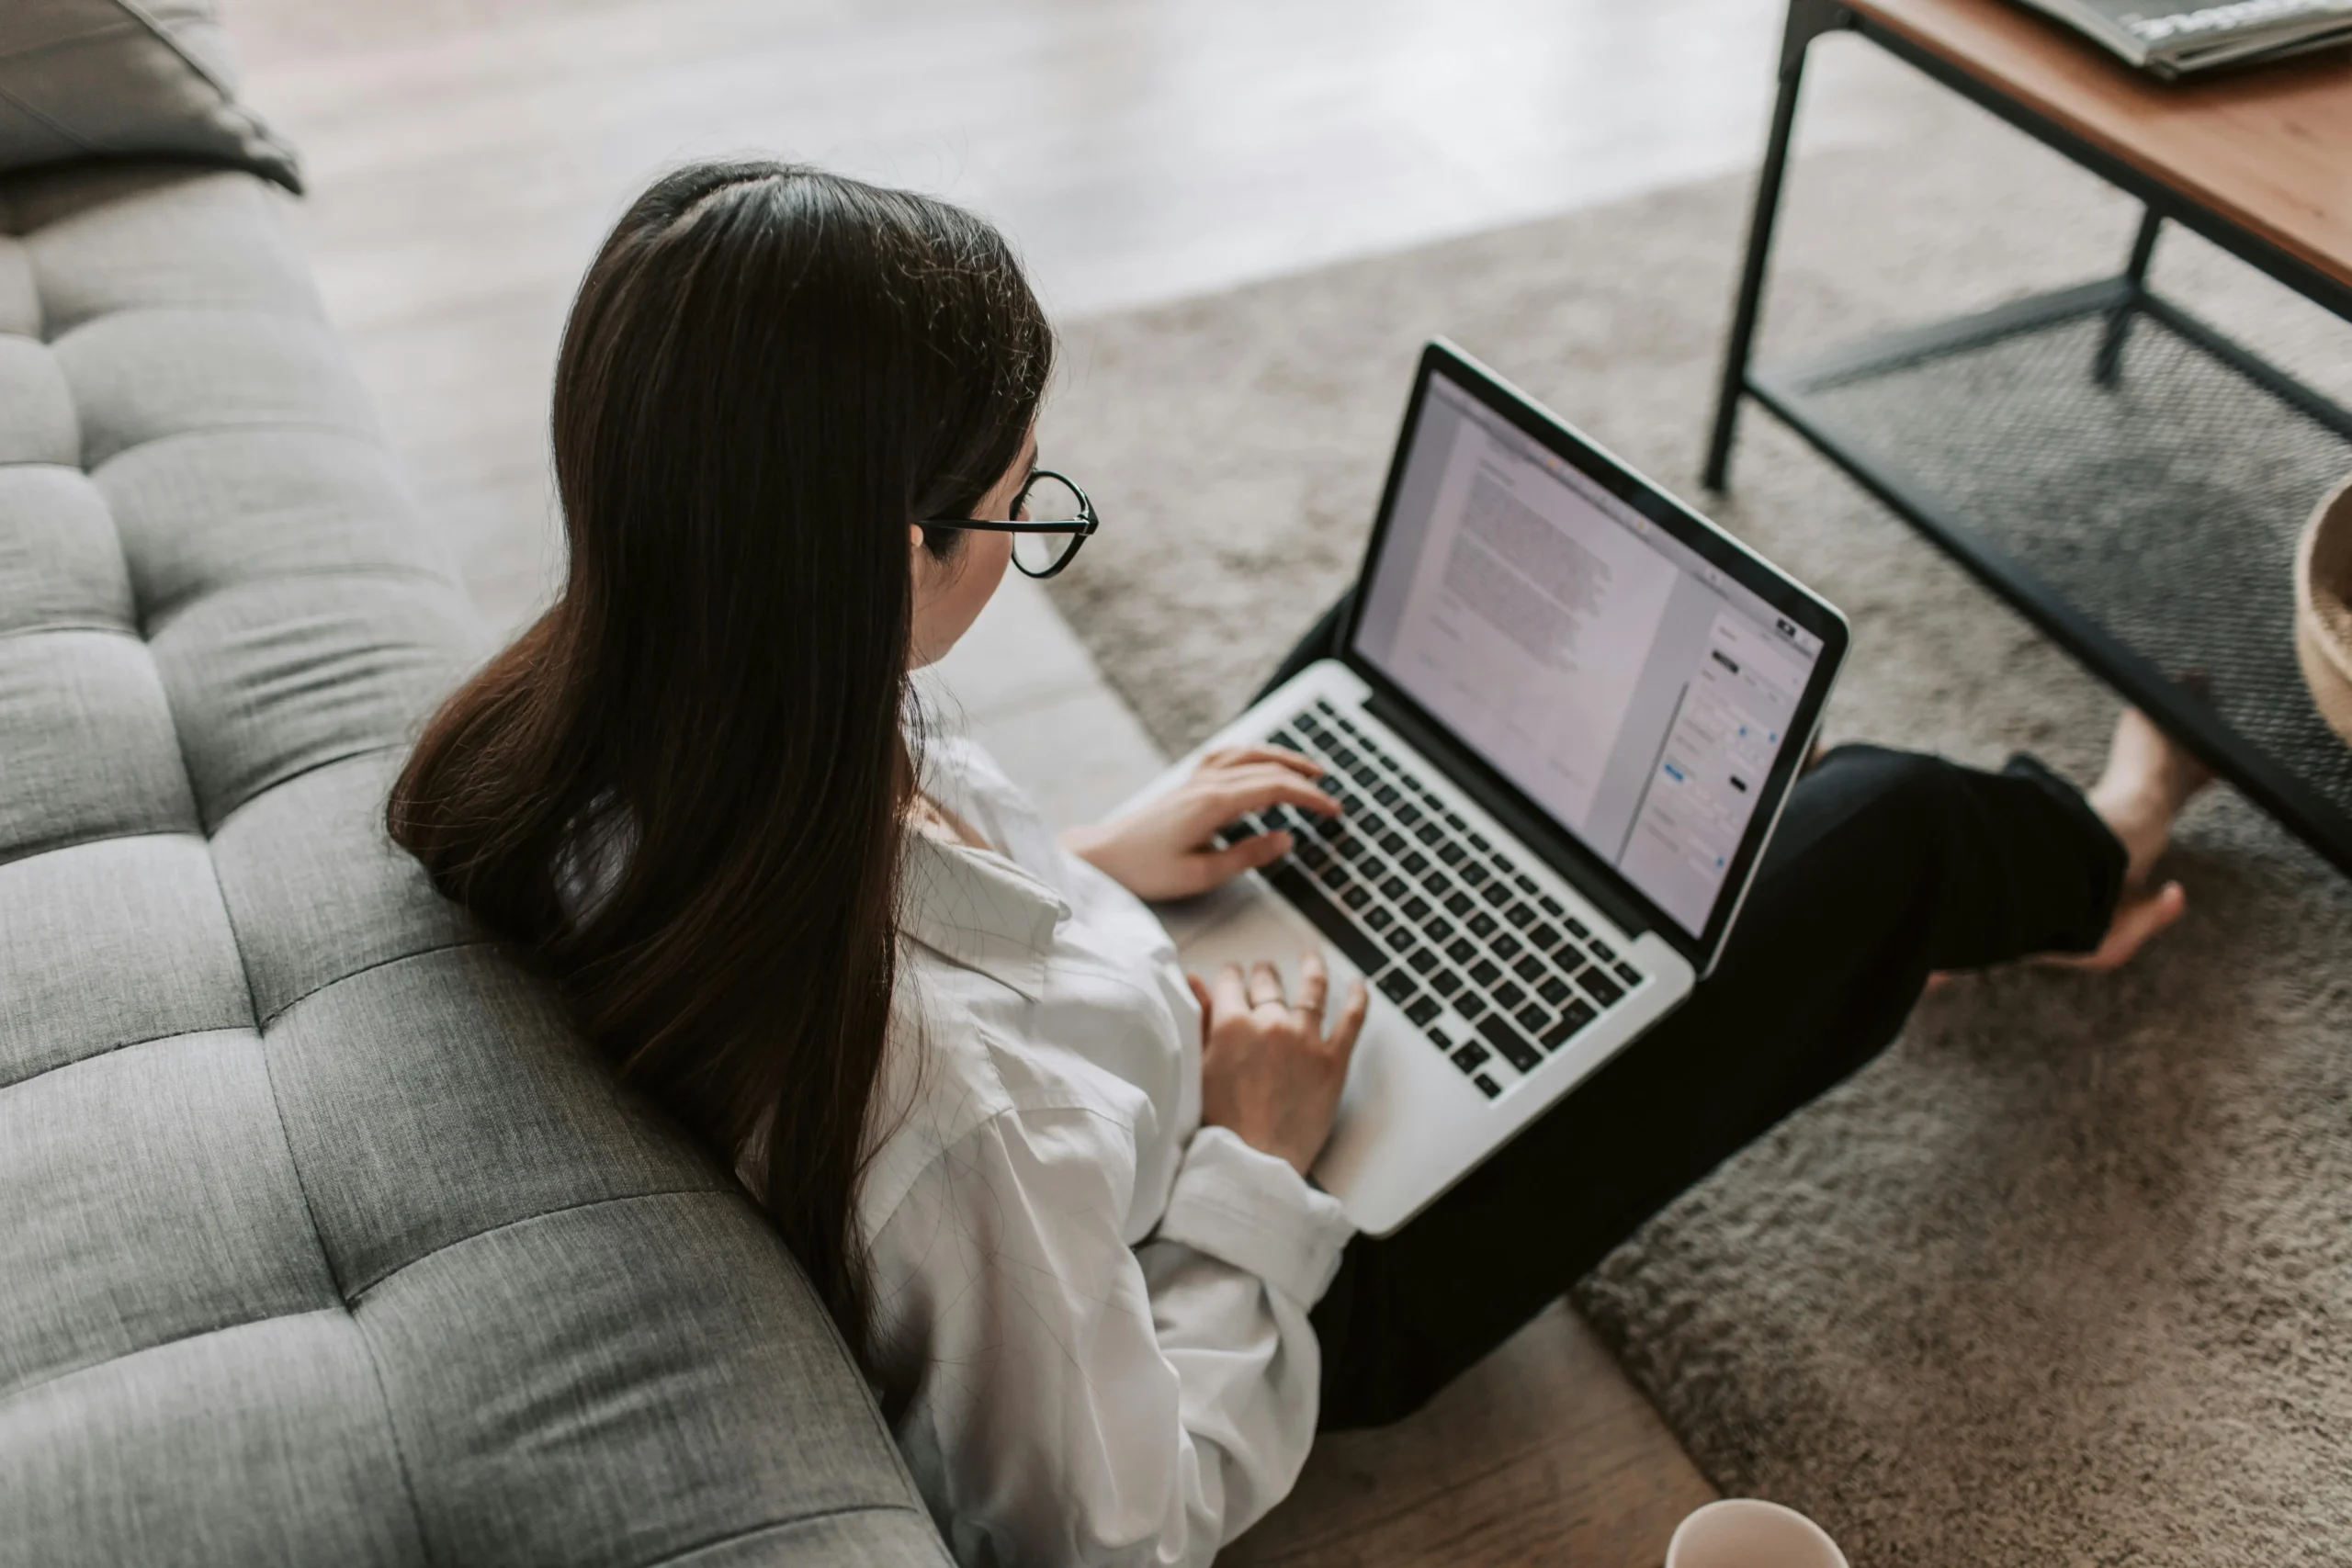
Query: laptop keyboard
<point x="1494" y="971"/>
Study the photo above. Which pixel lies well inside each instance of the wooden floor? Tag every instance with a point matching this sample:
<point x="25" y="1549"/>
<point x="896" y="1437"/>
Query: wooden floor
<point x="465" y="156"/>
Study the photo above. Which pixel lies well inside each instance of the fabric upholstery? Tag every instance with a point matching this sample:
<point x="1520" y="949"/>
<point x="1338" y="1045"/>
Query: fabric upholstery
<point x="327" y="1240"/>
<point x="83" y="78"/>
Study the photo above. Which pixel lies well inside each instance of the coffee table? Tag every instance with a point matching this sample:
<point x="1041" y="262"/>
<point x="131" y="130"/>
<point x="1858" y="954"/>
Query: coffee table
<point x="2129" y="477"/>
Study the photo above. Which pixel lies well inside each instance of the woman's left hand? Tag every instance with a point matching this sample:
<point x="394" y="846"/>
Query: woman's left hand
<point x="1161" y="849"/>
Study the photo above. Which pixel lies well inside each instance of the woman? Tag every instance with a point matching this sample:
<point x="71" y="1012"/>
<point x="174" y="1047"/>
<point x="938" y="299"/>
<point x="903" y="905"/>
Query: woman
<point x="1050" y="1187"/>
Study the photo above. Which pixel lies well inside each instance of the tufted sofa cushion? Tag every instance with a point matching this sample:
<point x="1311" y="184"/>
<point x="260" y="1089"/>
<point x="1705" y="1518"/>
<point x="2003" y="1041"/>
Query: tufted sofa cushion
<point x="326" y="1242"/>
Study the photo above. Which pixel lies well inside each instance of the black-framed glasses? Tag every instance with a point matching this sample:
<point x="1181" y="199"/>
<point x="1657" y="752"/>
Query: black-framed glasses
<point x="1051" y="518"/>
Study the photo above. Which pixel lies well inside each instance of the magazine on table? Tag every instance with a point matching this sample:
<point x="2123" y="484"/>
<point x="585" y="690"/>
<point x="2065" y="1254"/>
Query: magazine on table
<point x="2175" y="38"/>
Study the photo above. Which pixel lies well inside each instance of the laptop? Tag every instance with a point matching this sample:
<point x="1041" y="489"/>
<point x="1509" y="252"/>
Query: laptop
<point x="1566" y="715"/>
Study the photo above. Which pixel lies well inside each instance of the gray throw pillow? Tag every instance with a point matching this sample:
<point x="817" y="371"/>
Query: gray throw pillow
<point x="114" y="78"/>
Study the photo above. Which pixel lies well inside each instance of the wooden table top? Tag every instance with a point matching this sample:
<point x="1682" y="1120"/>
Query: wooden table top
<point x="2269" y="148"/>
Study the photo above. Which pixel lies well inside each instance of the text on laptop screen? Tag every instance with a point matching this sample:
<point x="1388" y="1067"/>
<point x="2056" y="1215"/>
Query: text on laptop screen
<point x="1618" y="678"/>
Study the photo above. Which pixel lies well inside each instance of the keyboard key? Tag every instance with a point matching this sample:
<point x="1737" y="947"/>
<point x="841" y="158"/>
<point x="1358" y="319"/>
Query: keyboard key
<point x="1410" y="782"/>
<point x="1393" y="888"/>
<point x="1488" y="1086"/>
<point x="1371" y="867"/>
<point x="1446" y="982"/>
<point x="1387" y="795"/>
<point x="1552" y="989"/>
<point x="1377" y="919"/>
<point x="1509" y="995"/>
<point x="1363" y="774"/>
<point x="1505" y="945"/>
<point x="1544" y="938"/>
<point x="1414" y="863"/>
<point x="1504" y="865"/>
<point x="1470" y="1004"/>
<point x="1416" y="909"/>
<point x="1577" y="929"/>
<point x="1439" y="883"/>
<point x="1478" y="843"/>
<point x="1422" y="960"/>
<point x="1354" y="896"/>
<point x="1421" y="1010"/>
<point x="1430" y="833"/>
<point x="1532" y="1018"/>
<point x="1398" y="986"/>
<point x="1456" y="823"/>
<point x="1345" y="759"/>
<point x="1580" y="1012"/>
<point x="1333" y="876"/>
<point x="1450" y="852"/>
<point x="1471" y="1057"/>
<point x="1480" y="924"/>
<point x="1627" y="972"/>
<point x="1402" y="938"/>
<point x="1461" y="904"/>
<point x="1521" y="915"/>
<point x="1394" y="843"/>
<point x="1460" y="951"/>
<point x="1287" y="741"/>
<point x="1602" y="951"/>
<point x="1323" y="705"/>
<point x="1408" y="814"/>
<point x="1471" y="874"/>
<point x="1601" y="988"/>
<point x="1529" y="969"/>
<point x="1509" y="1043"/>
<point x="1524" y="883"/>
<point x="1498" y="894"/>
<point x="1438" y="929"/>
<point x="1442" y="1039"/>
<point x="1483" y="972"/>
<point x="1551" y="905"/>
<point x="1339" y="931"/>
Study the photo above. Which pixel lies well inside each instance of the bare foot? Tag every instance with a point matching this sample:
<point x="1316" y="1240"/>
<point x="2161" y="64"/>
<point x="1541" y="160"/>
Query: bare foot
<point x="2149" y="778"/>
<point x="2138" y="916"/>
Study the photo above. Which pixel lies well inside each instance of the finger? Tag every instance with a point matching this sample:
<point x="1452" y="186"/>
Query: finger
<point x="1281" y="756"/>
<point x="1208" y="1002"/>
<point x="1265" y="985"/>
<point x="1227" y="995"/>
<point x="1254" y="789"/>
<point x="1314" y="984"/>
<point x="1199" y="872"/>
<point x="1342" y="1038"/>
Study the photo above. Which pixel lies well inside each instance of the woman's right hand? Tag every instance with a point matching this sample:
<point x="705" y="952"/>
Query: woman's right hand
<point x="1268" y="1070"/>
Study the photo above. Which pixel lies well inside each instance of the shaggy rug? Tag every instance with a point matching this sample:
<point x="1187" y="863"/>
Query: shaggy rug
<point x="2066" y="1276"/>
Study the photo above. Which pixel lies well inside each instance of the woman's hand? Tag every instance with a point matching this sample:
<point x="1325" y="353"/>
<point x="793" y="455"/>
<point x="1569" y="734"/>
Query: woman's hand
<point x="1161" y="849"/>
<point x="1268" y="1071"/>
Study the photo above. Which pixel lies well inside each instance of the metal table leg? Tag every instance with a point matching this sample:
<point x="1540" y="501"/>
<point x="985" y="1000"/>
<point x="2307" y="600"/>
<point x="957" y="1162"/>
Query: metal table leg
<point x="2119" y="321"/>
<point x="1807" y="20"/>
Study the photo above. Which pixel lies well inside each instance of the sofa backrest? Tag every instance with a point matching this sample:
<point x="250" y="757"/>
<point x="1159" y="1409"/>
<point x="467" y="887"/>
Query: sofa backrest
<point x="325" y="1240"/>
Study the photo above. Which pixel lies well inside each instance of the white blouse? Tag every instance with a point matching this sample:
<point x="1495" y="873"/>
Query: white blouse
<point x="1099" y="1305"/>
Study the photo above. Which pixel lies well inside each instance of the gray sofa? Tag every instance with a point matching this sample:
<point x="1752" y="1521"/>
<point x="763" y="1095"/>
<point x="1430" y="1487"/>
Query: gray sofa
<point x="325" y="1241"/>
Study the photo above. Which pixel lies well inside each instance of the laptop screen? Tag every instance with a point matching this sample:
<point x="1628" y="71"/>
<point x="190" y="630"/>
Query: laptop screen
<point x="1615" y="677"/>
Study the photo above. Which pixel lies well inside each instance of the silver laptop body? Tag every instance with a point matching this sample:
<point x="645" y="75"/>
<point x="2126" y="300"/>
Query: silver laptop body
<point x="1566" y="713"/>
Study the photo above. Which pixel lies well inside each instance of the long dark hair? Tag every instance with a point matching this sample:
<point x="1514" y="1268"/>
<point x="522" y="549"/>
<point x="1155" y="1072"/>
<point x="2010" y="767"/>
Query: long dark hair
<point x="769" y="372"/>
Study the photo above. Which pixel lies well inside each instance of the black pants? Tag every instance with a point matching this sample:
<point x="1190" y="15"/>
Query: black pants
<point x="1886" y="867"/>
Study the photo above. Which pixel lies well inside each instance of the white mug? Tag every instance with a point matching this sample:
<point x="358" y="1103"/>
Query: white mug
<point x="1746" y="1532"/>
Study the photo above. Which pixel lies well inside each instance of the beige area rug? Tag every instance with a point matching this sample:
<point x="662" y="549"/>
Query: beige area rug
<point x="2065" y="1278"/>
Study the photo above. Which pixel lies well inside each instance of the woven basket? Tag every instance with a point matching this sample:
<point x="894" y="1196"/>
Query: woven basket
<point x="2324" y="609"/>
